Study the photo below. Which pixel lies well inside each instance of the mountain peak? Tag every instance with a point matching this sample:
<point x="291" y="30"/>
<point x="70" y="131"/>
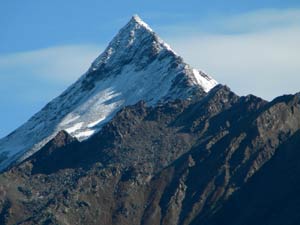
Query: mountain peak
<point x="136" y="66"/>
<point x="135" y="41"/>
<point x="135" y="19"/>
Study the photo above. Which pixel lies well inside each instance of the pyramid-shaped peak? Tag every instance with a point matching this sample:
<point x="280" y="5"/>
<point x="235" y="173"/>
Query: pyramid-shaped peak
<point x="136" y="66"/>
<point x="135" y="19"/>
<point x="135" y="42"/>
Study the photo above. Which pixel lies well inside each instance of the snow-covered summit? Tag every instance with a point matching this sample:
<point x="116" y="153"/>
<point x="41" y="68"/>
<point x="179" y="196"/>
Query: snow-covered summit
<point x="136" y="65"/>
<point x="136" y="19"/>
<point x="131" y="43"/>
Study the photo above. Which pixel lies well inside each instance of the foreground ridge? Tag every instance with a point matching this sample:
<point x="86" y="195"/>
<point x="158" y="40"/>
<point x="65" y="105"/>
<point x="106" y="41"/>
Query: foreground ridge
<point x="182" y="162"/>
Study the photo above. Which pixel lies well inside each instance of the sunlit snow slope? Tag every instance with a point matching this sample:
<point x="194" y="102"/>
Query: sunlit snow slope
<point x="137" y="65"/>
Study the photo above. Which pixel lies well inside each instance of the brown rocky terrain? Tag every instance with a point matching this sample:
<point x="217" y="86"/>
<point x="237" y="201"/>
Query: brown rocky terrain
<point x="221" y="159"/>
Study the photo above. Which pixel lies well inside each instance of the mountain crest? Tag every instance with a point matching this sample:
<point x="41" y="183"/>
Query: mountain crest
<point x="136" y="66"/>
<point x="135" y="41"/>
<point x="135" y="19"/>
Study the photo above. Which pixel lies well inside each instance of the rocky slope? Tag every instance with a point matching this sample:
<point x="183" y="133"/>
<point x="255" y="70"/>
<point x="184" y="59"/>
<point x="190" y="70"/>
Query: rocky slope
<point x="218" y="159"/>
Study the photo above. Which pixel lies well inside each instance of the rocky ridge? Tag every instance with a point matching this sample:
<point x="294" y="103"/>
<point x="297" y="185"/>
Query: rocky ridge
<point x="182" y="162"/>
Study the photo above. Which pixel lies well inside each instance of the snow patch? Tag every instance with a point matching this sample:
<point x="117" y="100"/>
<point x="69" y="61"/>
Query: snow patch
<point x="85" y="134"/>
<point x="74" y="128"/>
<point x="205" y="81"/>
<point x="96" y="122"/>
<point x="70" y="119"/>
<point x="138" y="20"/>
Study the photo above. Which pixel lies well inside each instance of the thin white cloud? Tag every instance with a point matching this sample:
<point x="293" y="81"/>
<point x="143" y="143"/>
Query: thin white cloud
<point x="263" y="60"/>
<point x="33" y="78"/>
<point x="57" y="64"/>
<point x="247" y="22"/>
<point x="261" y="19"/>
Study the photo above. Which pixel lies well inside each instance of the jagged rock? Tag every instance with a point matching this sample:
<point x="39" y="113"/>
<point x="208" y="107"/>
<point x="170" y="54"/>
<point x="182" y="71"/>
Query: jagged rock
<point x="182" y="162"/>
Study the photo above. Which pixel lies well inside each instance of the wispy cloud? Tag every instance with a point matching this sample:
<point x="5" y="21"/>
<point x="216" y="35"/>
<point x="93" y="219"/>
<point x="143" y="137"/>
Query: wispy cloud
<point x="42" y="74"/>
<point x="252" y="21"/>
<point x="259" y="52"/>
<point x="261" y="20"/>
<point x="56" y="64"/>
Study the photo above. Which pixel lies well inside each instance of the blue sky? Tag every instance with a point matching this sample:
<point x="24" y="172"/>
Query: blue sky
<point x="252" y="46"/>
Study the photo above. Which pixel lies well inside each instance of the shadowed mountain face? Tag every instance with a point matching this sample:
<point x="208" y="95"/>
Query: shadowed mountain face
<point x="218" y="159"/>
<point x="271" y="196"/>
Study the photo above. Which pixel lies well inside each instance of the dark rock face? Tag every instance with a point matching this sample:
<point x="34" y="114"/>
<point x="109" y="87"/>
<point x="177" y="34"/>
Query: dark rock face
<point x="271" y="196"/>
<point x="54" y="154"/>
<point x="221" y="159"/>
